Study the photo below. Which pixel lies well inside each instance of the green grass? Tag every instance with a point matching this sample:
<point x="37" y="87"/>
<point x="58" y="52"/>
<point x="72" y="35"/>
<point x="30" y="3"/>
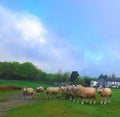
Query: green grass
<point x="5" y="94"/>
<point x="66" y="108"/>
<point x="57" y="107"/>
<point x="22" y="83"/>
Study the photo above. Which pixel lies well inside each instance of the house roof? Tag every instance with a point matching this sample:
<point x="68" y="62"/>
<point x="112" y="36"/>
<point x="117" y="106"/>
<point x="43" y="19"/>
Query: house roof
<point x="108" y="80"/>
<point x="104" y="81"/>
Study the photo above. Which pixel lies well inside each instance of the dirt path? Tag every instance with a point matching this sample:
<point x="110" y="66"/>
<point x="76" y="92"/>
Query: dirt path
<point x="12" y="102"/>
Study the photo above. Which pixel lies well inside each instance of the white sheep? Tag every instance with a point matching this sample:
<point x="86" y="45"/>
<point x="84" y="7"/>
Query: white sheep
<point x="91" y="94"/>
<point x="52" y="92"/>
<point x="40" y="89"/>
<point x="87" y="93"/>
<point x="105" y="94"/>
<point x="27" y="93"/>
<point x="63" y="92"/>
<point x="74" y="93"/>
<point x="69" y="95"/>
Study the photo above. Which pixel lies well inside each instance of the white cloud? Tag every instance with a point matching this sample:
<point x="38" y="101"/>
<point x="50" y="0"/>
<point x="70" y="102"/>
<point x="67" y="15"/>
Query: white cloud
<point x="31" y="28"/>
<point x="23" y="38"/>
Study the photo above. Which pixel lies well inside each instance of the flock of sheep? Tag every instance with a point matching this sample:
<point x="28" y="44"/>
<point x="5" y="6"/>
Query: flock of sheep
<point x="77" y="93"/>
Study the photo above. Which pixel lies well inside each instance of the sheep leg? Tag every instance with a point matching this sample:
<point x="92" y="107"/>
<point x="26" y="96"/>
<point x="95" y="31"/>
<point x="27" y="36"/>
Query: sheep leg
<point x="90" y="101"/>
<point x="23" y="97"/>
<point x="78" y="100"/>
<point x="27" y="97"/>
<point x="51" y="96"/>
<point x="105" y="100"/>
<point x="64" y="97"/>
<point x="94" y="100"/>
<point x="73" y="99"/>
<point x="61" y="96"/>
<point x="108" y="99"/>
<point x="30" y="96"/>
<point x="86" y="100"/>
<point x="70" y="98"/>
<point x="82" y="101"/>
<point x="47" y="95"/>
<point x="102" y="100"/>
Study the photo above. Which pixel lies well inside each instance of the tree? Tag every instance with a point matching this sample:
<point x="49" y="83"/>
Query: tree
<point x="17" y="71"/>
<point x="59" y="76"/>
<point x="113" y="76"/>
<point x="80" y="81"/>
<point x="74" y="76"/>
<point x="87" y="80"/>
<point x="103" y="76"/>
<point x="66" y="76"/>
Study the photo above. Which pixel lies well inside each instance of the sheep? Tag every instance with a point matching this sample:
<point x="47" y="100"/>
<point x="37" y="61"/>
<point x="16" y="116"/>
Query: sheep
<point x="27" y="93"/>
<point x="91" y="94"/>
<point x="69" y="87"/>
<point x="105" y="94"/>
<point x="63" y="92"/>
<point x="52" y="92"/>
<point x="87" y="93"/>
<point x="39" y="90"/>
<point x="74" y="92"/>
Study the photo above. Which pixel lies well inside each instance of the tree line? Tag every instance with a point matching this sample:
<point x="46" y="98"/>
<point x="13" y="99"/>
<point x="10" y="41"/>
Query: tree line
<point x="28" y="71"/>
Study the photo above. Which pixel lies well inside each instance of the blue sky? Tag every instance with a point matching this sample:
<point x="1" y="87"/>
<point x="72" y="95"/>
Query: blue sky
<point x="64" y="35"/>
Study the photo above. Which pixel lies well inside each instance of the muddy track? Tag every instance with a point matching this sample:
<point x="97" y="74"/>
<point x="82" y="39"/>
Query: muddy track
<point x="12" y="102"/>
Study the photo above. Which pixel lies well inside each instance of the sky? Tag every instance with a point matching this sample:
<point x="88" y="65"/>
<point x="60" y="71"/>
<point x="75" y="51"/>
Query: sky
<point x="65" y="35"/>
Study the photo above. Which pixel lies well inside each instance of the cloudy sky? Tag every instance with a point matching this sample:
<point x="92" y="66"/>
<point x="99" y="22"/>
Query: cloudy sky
<point x="66" y="35"/>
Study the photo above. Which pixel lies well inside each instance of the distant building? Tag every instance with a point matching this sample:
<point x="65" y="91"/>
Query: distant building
<point x="106" y="82"/>
<point x="65" y="83"/>
<point x="93" y="83"/>
<point x="62" y="83"/>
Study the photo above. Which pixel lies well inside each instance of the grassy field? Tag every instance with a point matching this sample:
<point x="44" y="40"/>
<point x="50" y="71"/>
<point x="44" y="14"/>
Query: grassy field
<point x="4" y="94"/>
<point x="22" y="83"/>
<point x="43" y="107"/>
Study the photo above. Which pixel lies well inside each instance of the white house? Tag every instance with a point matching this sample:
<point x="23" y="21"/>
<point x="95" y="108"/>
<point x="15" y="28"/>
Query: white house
<point x="106" y="82"/>
<point x="93" y="83"/>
